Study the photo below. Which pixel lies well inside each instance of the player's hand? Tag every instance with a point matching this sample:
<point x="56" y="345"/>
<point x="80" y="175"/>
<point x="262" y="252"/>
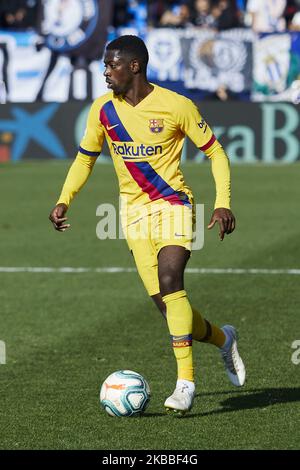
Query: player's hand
<point x="57" y="217"/>
<point x="225" y="219"/>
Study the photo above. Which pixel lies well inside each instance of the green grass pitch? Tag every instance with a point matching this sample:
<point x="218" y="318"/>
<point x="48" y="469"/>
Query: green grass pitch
<point x="64" y="333"/>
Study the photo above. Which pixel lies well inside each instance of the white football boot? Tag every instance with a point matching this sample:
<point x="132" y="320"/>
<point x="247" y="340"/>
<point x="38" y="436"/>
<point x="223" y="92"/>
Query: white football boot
<point x="232" y="360"/>
<point x="181" y="399"/>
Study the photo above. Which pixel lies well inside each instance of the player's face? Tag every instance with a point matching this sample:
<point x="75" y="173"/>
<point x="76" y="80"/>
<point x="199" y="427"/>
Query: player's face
<point x="118" y="72"/>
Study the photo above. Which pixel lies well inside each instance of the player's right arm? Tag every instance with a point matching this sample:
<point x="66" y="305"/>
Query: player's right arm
<point x="80" y="170"/>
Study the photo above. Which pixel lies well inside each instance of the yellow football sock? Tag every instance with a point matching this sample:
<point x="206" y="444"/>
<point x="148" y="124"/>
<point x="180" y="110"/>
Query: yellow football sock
<point x="205" y="331"/>
<point x="180" y="323"/>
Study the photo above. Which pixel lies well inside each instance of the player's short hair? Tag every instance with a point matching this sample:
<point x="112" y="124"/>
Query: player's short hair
<point x="132" y="46"/>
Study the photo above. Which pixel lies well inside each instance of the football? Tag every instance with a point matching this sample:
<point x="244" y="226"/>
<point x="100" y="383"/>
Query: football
<point x="125" y="393"/>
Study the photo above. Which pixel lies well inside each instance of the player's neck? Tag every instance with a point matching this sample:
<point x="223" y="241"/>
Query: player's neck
<point x="138" y="92"/>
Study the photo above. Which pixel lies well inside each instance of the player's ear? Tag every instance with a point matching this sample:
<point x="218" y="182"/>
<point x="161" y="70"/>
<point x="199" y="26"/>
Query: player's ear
<point x="135" y="66"/>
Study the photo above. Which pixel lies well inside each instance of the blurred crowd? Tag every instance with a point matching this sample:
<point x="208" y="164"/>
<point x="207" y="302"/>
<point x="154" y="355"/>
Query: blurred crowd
<point x="20" y="15"/>
<point x="260" y="15"/>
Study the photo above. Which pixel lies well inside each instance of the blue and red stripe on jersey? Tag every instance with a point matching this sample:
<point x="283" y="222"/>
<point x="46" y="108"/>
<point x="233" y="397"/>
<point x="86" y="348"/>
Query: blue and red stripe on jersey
<point x="154" y="185"/>
<point x="142" y="172"/>
<point x="109" y="118"/>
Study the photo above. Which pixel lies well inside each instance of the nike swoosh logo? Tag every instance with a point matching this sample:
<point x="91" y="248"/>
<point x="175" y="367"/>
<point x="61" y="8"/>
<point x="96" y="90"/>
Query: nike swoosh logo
<point x="180" y="338"/>
<point x="108" y="128"/>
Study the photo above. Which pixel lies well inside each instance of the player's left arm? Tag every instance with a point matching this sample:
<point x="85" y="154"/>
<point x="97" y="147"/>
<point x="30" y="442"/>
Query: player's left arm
<point x="195" y="127"/>
<point x="221" y="172"/>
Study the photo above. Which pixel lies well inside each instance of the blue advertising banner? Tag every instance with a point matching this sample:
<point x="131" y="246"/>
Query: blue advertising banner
<point x="249" y="132"/>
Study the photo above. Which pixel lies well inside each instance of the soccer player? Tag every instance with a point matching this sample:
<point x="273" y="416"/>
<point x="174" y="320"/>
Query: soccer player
<point x="145" y="126"/>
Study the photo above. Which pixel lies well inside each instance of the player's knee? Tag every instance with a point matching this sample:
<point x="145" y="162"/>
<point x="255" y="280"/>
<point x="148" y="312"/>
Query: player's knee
<point x="170" y="282"/>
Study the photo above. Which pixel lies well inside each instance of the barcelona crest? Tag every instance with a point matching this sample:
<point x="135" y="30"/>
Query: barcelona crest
<point x="156" y="125"/>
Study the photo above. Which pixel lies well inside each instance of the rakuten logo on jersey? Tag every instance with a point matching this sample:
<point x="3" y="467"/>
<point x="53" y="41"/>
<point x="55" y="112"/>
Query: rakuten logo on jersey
<point x="126" y="150"/>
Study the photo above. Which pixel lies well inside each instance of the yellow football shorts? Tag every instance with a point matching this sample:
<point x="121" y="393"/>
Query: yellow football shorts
<point x="162" y="224"/>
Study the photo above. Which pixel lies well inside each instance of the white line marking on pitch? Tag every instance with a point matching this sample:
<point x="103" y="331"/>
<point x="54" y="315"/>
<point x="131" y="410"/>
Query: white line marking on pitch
<point x="118" y="269"/>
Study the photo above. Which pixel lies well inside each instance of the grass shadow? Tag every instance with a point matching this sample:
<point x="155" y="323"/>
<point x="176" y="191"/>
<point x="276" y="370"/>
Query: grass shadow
<point x="243" y="400"/>
<point x="251" y="399"/>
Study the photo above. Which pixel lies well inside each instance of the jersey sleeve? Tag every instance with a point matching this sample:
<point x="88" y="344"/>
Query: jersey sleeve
<point x="78" y="175"/>
<point x="192" y="124"/>
<point x="89" y="149"/>
<point x="92" y="141"/>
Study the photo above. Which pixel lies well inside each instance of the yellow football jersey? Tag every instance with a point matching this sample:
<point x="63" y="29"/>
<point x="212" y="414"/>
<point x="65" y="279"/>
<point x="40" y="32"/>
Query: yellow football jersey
<point x="145" y="143"/>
